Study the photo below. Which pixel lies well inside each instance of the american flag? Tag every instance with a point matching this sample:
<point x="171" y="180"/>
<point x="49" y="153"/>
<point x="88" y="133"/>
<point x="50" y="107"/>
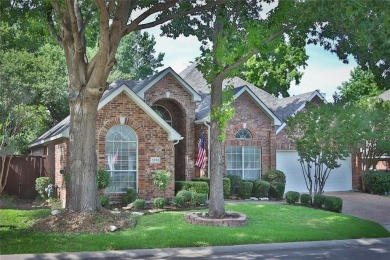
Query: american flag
<point x="201" y="160"/>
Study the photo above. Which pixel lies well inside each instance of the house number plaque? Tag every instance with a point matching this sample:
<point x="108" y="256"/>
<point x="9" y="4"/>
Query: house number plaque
<point x="154" y="160"/>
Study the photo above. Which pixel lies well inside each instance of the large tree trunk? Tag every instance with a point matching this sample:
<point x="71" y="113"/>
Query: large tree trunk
<point x="216" y="207"/>
<point x="83" y="160"/>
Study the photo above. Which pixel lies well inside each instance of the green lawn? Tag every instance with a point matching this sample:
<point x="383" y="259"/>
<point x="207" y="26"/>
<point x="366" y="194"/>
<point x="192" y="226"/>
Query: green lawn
<point x="267" y="224"/>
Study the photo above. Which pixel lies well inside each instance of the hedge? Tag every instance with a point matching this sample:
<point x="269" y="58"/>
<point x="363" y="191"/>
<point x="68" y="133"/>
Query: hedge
<point x="274" y="176"/>
<point x="198" y="186"/>
<point x="277" y="190"/>
<point x="235" y="182"/>
<point x="260" y="188"/>
<point x="319" y="200"/>
<point x="333" y="203"/>
<point x="306" y="199"/>
<point x="292" y="197"/>
<point x="226" y="184"/>
<point x="245" y="190"/>
<point x="377" y="182"/>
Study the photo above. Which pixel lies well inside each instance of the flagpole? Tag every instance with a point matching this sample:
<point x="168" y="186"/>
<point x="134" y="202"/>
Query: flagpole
<point x="208" y="149"/>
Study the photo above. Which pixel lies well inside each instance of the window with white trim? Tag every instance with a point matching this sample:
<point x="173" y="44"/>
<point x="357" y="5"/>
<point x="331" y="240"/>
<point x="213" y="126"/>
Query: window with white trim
<point x="243" y="161"/>
<point x="163" y="113"/>
<point x="121" y="158"/>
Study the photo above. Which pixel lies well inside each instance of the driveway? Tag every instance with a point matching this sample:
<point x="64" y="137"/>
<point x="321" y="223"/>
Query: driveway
<point x="366" y="206"/>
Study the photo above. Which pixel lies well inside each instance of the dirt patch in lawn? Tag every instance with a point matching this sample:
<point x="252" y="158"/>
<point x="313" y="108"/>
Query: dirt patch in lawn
<point x="85" y="222"/>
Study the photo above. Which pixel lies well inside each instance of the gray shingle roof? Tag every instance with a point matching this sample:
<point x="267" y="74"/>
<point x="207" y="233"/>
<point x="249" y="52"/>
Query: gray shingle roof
<point x="282" y="107"/>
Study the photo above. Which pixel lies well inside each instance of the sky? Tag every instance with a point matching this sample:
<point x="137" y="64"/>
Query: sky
<point x="324" y="72"/>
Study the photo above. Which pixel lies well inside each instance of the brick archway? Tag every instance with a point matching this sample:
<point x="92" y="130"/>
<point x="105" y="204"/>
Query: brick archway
<point x="179" y="123"/>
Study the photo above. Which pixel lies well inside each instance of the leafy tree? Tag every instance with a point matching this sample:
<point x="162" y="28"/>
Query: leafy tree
<point x="358" y="28"/>
<point x="362" y="84"/>
<point x="275" y="71"/>
<point x="322" y="135"/>
<point x="372" y="131"/>
<point x="73" y="25"/>
<point x="136" y="56"/>
<point x="232" y="33"/>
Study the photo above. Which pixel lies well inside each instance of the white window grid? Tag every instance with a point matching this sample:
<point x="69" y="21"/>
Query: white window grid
<point x="243" y="161"/>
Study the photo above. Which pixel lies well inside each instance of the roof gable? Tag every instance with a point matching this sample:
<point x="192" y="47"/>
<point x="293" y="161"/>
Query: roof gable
<point x="143" y="86"/>
<point x="204" y="106"/>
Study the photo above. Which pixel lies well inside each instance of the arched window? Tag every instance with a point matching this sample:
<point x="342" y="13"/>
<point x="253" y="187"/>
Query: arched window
<point x="243" y="134"/>
<point x="163" y="113"/>
<point x="121" y="158"/>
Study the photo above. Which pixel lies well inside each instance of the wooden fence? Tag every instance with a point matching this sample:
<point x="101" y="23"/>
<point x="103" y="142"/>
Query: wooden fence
<point x="23" y="172"/>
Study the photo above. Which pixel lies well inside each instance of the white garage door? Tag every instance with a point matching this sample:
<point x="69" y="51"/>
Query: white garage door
<point x="340" y="179"/>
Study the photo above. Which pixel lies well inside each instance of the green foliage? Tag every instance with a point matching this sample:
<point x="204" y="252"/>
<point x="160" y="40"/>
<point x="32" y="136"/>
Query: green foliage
<point x="292" y="197"/>
<point x="319" y="200"/>
<point x="333" y="203"/>
<point x="129" y="196"/>
<point x="274" y="176"/>
<point x="362" y="84"/>
<point x="103" y="178"/>
<point x="41" y="184"/>
<point x="136" y="57"/>
<point x="104" y="200"/>
<point x="139" y="204"/>
<point x="235" y="181"/>
<point x="277" y="190"/>
<point x="179" y="201"/>
<point x="186" y="194"/>
<point x="226" y="187"/>
<point x="377" y="182"/>
<point x="222" y="114"/>
<point x="245" y="189"/>
<point x="306" y="199"/>
<point x="260" y="188"/>
<point x="274" y="71"/>
<point x="322" y="135"/>
<point x="198" y="186"/>
<point x="198" y="199"/>
<point x="161" y="180"/>
<point x="159" y="203"/>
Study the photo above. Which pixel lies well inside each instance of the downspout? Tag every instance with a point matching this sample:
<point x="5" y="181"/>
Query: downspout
<point x="175" y="143"/>
<point x="208" y="148"/>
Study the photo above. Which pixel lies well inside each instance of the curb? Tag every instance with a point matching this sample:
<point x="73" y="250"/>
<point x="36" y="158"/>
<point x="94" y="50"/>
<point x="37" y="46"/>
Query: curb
<point x="193" y="252"/>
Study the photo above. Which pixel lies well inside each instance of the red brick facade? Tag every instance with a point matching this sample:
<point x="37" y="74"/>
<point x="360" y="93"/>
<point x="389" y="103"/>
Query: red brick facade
<point x="152" y="141"/>
<point x="259" y="125"/>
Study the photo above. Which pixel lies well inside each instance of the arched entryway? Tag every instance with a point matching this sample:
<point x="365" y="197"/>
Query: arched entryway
<point x="174" y="114"/>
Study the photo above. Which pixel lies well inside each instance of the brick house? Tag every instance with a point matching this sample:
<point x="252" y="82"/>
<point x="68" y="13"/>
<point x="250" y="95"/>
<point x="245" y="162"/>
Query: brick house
<point x="156" y="123"/>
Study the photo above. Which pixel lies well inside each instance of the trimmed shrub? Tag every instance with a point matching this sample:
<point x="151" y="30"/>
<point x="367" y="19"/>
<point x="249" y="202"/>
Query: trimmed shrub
<point x="245" y="190"/>
<point x="292" y="197"/>
<point x="306" y="199"/>
<point x="159" y="203"/>
<point x="377" y="182"/>
<point x="226" y="187"/>
<point x="319" y="200"/>
<point x="198" y="186"/>
<point x="104" y="200"/>
<point x="139" y="204"/>
<point x="103" y="178"/>
<point x="178" y="201"/>
<point x="198" y="199"/>
<point x="186" y="194"/>
<point x="333" y="203"/>
<point x="161" y="180"/>
<point x="129" y="196"/>
<point x="260" y="188"/>
<point x="276" y="190"/>
<point x="235" y="182"/>
<point x="41" y="184"/>
<point x="274" y="176"/>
